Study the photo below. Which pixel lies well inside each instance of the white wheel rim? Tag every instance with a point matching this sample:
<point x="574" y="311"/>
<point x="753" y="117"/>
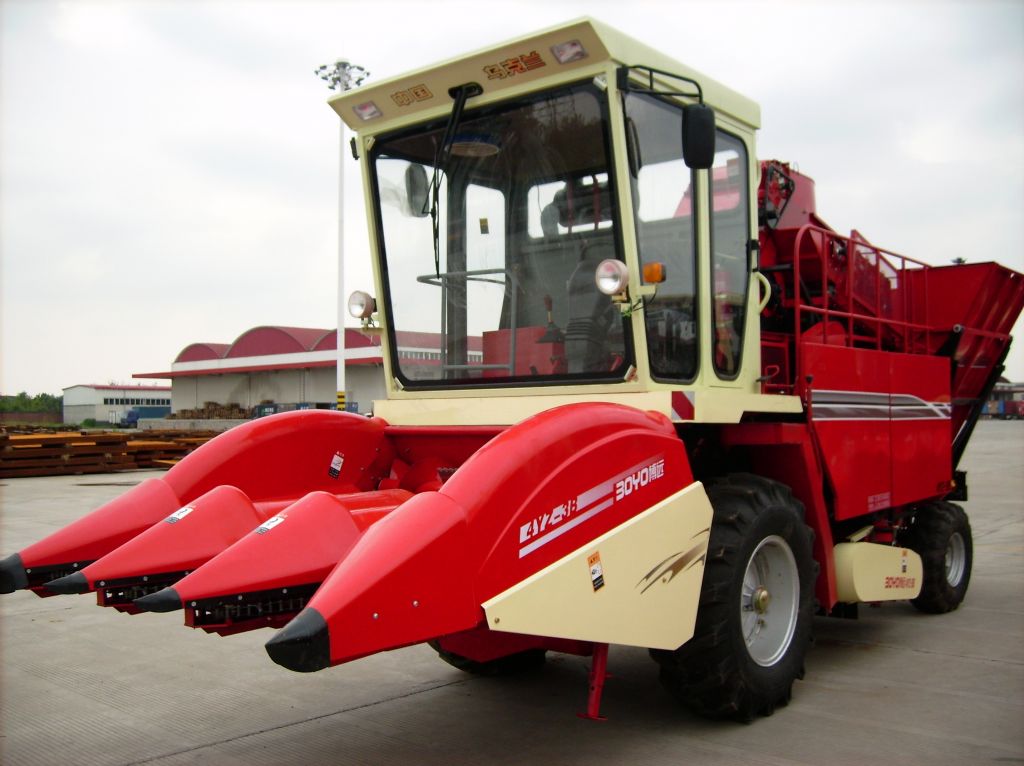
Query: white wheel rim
<point x="956" y="559"/>
<point x="770" y="601"/>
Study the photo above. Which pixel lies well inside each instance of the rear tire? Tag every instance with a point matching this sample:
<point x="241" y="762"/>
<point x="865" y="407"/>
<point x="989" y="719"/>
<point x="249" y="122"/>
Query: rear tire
<point x="941" y="535"/>
<point x="756" y="606"/>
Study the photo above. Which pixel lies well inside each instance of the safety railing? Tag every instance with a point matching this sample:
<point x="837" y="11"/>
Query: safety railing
<point x="864" y="288"/>
<point x="849" y="292"/>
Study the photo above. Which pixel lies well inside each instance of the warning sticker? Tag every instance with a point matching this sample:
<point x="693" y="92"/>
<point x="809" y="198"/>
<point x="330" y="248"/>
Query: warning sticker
<point x="336" y="463"/>
<point x="596" y="571"/>
<point x="179" y="514"/>
<point x="269" y="524"/>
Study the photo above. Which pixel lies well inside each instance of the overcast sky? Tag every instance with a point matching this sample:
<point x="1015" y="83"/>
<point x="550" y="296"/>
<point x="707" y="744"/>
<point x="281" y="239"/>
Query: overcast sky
<point x="168" y="170"/>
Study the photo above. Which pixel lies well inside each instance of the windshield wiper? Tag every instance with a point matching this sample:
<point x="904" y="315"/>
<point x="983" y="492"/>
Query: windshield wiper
<point x="461" y="93"/>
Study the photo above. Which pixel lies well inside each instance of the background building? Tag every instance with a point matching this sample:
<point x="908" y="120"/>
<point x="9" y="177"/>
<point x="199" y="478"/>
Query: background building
<point x="112" y="404"/>
<point x="1006" y="401"/>
<point x="291" y="367"/>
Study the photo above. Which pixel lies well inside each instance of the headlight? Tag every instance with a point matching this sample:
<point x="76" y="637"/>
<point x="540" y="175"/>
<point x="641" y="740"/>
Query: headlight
<point x="361" y="305"/>
<point x="611" y="276"/>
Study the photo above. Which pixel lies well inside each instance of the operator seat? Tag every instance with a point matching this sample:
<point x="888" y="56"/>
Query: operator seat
<point x="591" y="313"/>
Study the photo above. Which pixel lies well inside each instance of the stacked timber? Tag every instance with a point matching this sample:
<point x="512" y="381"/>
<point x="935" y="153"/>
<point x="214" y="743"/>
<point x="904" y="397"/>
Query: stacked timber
<point x="81" y="452"/>
<point x="54" y="454"/>
<point x="213" y="411"/>
<point x="164" y="448"/>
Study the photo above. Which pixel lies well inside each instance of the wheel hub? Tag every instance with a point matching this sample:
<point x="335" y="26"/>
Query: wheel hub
<point x="760" y="600"/>
<point x="770" y="601"/>
<point x="956" y="559"/>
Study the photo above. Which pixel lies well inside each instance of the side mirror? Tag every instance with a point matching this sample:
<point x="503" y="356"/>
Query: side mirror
<point x="698" y="136"/>
<point x="416" y="190"/>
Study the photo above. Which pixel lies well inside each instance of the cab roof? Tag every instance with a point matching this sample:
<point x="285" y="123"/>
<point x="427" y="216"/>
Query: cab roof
<point x="522" y="61"/>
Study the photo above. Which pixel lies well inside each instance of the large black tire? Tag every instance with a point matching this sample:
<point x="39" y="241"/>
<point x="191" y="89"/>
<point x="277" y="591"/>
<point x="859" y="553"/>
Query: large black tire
<point x="941" y="535"/>
<point x="510" y="665"/>
<point x="750" y="640"/>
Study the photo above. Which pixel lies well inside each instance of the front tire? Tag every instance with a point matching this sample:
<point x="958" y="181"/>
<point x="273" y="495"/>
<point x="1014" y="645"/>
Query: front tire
<point x="756" y="606"/>
<point x="941" y="535"/>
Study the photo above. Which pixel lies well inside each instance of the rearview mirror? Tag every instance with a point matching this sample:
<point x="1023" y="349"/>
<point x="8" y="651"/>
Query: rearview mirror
<point x="416" y="189"/>
<point x="698" y="136"/>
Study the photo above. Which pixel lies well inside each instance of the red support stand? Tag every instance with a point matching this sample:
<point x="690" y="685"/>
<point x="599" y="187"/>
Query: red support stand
<point x="598" y="674"/>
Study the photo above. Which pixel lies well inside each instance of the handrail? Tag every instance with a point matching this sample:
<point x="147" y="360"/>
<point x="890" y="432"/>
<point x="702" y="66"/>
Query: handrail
<point x="864" y="265"/>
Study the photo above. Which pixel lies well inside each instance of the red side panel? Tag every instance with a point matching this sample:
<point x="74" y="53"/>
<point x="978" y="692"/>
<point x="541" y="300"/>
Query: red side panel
<point x="922" y="436"/>
<point x="850" y="412"/>
<point x="882" y="421"/>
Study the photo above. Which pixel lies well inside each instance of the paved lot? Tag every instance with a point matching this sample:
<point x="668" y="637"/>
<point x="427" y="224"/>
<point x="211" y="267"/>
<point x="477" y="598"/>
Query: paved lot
<point x="87" y="685"/>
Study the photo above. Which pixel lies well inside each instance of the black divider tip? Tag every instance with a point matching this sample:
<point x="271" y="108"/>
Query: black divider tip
<point x="12" y="574"/>
<point x="76" y="582"/>
<point x="304" y="644"/>
<point x="166" y="600"/>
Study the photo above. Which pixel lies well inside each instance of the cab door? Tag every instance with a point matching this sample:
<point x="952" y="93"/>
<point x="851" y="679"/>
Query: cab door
<point x="663" y="199"/>
<point x="730" y="230"/>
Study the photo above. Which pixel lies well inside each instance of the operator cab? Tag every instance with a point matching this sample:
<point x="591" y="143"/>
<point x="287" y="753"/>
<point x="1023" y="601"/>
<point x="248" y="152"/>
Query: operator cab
<point x="494" y="214"/>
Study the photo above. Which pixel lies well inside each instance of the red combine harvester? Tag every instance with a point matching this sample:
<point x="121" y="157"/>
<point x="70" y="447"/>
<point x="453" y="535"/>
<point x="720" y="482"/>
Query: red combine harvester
<point x="655" y="401"/>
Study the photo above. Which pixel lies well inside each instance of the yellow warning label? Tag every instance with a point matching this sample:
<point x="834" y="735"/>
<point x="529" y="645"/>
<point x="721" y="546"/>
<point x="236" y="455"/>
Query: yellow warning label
<point x="596" y="570"/>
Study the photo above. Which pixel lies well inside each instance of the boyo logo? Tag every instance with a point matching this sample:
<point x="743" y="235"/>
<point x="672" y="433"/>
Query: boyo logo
<point x="541" y="530"/>
<point x="641" y="478"/>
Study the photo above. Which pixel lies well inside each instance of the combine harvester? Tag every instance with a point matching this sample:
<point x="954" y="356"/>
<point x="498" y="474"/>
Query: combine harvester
<point x="656" y="402"/>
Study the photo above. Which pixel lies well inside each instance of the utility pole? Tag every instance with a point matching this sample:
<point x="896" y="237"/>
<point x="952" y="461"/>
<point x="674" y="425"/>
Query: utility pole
<point x="341" y="76"/>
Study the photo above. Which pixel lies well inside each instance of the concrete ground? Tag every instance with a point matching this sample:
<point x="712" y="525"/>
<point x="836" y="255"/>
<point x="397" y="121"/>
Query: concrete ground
<point x="86" y="685"/>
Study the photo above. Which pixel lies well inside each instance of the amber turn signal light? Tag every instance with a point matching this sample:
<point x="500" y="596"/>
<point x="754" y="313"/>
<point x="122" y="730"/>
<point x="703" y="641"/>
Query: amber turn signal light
<point x="654" y="273"/>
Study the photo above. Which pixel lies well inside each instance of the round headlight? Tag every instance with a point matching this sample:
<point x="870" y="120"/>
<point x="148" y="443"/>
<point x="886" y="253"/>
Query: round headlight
<point x="361" y="305"/>
<point x="611" y="276"/>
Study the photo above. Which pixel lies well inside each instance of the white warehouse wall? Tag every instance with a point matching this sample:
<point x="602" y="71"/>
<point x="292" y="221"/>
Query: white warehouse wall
<point x="312" y="385"/>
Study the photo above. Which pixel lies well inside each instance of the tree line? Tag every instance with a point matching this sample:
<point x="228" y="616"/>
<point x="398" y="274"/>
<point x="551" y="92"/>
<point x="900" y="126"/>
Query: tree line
<point x="39" y="403"/>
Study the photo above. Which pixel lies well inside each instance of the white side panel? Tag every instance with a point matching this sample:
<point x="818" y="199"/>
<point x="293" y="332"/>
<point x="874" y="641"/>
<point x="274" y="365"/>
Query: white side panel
<point x="637" y="585"/>
<point x="509" y="406"/>
<point x="868" y="572"/>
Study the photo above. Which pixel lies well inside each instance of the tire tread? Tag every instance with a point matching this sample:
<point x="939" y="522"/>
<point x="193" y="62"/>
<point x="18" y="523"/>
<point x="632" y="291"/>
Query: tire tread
<point x="928" y="536"/>
<point x="706" y="674"/>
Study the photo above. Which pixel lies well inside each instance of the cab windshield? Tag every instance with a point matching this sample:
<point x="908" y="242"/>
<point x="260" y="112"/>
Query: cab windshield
<point x="488" y="261"/>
